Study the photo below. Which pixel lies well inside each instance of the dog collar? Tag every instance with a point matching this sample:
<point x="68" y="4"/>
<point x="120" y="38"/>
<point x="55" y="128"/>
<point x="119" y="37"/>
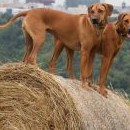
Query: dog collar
<point x="121" y="33"/>
<point x="102" y="26"/>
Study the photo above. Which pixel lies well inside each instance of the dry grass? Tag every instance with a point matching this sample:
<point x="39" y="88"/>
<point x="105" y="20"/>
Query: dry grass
<point x="31" y="99"/>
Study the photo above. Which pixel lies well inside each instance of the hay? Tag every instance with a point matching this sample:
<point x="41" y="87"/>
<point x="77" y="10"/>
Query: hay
<point x="31" y="99"/>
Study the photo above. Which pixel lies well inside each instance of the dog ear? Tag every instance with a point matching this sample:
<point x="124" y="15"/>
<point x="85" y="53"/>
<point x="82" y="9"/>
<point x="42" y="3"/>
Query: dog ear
<point x="119" y="24"/>
<point x="89" y="9"/>
<point x="121" y="16"/>
<point x="109" y="8"/>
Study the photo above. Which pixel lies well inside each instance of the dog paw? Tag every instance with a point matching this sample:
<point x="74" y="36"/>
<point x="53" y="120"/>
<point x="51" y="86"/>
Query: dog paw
<point x="90" y="84"/>
<point x="103" y="92"/>
<point x="72" y="77"/>
<point x="85" y="85"/>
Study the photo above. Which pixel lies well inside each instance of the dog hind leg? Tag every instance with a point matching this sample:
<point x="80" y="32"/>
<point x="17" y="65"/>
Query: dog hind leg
<point x="29" y="44"/>
<point x="38" y="39"/>
<point x="70" y="54"/>
<point x="57" y="51"/>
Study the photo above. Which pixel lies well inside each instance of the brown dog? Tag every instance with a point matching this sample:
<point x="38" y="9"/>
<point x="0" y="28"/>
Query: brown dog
<point x="113" y="36"/>
<point x="59" y="45"/>
<point x="77" y="32"/>
<point x="112" y="39"/>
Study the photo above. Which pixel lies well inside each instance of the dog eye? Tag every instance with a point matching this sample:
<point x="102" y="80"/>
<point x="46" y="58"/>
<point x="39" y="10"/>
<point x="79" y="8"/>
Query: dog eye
<point x="100" y="11"/>
<point x="126" y="21"/>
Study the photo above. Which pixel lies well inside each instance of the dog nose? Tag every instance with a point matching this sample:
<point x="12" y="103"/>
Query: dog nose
<point x="94" y="20"/>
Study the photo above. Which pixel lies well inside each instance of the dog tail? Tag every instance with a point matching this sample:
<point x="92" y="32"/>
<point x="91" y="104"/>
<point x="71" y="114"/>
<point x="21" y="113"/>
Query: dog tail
<point x="13" y="19"/>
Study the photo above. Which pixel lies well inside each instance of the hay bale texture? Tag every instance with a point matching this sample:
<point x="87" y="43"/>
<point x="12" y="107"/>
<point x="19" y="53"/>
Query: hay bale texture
<point x="31" y="99"/>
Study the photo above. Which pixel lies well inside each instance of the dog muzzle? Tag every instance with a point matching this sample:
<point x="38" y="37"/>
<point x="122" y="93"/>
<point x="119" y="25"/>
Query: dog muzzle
<point x="128" y="33"/>
<point x="94" y="20"/>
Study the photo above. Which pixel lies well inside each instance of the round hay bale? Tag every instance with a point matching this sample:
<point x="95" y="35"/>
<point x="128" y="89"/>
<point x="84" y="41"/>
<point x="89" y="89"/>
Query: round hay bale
<point x="31" y="99"/>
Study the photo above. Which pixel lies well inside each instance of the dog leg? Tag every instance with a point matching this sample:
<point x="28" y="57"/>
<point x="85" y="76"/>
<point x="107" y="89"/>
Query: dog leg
<point x="90" y="68"/>
<point x="37" y="42"/>
<point x="57" y="51"/>
<point x="70" y="54"/>
<point x="83" y="65"/>
<point x="29" y="44"/>
<point x="106" y="63"/>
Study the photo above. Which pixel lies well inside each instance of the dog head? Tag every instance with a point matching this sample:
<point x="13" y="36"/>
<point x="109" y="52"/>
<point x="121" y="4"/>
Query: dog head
<point x="123" y="24"/>
<point x="99" y="12"/>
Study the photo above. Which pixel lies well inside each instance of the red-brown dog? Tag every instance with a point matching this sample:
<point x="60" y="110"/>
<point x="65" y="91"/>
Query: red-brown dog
<point x="113" y="37"/>
<point x="77" y="32"/>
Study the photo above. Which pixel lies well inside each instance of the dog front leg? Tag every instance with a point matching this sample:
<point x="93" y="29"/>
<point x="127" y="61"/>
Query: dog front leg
<point x="90" y="68"/>
<point x="83" y="66"/>
<point x="106" y="63"/>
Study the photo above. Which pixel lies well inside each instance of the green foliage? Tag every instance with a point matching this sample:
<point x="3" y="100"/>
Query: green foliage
<point x="11" y="41"/>
<point x="12" y="46"/>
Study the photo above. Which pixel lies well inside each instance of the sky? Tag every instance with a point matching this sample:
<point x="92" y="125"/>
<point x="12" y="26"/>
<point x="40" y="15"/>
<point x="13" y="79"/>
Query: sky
<point x="114" y="2"/>
<point x="117" y="2"/>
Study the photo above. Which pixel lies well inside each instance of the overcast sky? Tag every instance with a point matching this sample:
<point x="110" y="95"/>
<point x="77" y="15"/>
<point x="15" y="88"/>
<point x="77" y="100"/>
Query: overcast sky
<point x="117" y="2"/>
<point x="114" y="2"/>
